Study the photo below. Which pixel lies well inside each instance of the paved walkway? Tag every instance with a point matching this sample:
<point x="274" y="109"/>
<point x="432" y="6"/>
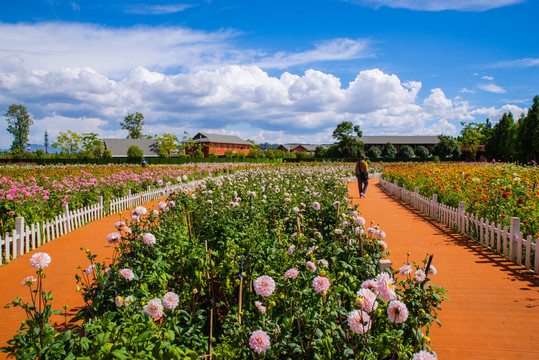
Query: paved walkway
<point x="66" y="255"/>
<point x="494" y="307"/>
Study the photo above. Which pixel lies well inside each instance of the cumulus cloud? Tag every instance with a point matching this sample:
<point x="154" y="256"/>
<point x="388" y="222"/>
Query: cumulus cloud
<point x="486" y="77"/>
<point x="243" y="100"/>
<point x="495" y="114"/>
<point x="440" y="5"/>
<point x="491" y="88"/>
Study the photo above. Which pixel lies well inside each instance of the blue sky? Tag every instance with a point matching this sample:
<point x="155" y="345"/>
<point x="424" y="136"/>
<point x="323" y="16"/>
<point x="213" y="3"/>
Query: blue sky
<point x="276" y="71"/>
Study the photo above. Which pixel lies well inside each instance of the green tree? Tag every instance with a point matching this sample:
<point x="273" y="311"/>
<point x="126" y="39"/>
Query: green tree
<point x="134" y="154"/>
<point x="471" y="136"/>
<point x="19" y="122"/>
<point x="133" y="123"/>
<point x="445" y="147"/>
<point x="406" y="152"/>
<point x="389" y="151"/>
<point x="501" y="141"/>
<point x="374" y="153"/>
<point x="320" y="151"/>
<point x="528" y="131"/>
<point x="69" y="142"/>
<point x="422" y="152"/>
<point x="347" y="144"/>
<point x="91" y="145"/>
<point x="167" y="144"/>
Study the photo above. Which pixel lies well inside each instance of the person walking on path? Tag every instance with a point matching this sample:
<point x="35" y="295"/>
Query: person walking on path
<point x="362" y="175"/>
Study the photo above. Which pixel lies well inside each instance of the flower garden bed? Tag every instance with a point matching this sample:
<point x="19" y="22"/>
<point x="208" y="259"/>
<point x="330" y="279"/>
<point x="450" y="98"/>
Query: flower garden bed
<point x="495" y="192"/>
<point x="267" y="262"/>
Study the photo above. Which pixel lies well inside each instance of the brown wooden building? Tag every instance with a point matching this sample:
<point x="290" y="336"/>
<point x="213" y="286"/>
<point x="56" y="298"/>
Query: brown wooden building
<point x="219" y="144"/>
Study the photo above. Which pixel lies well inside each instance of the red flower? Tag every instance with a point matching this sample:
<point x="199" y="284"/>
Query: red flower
<point x="505" y="195"/>
<point x="519" y="201"/>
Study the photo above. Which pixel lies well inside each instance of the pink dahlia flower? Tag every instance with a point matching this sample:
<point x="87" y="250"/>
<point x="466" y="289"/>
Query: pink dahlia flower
<point x="360" y="221"/>
<point x="291" y="249"/>
<point x="148" y="239"/>
<point x="40" y="260"/>
<point x="405" y="270"/>
<point x="359" y="321"/>
<point x="259" y="341"/>
<point x="171" y="204"/>
<point x="260" y="307"/>
<point x="366" y="300"/>
<point x="370" y="284"/>
<point x="311" y="266"/>
<point x="140" y="211"/>
<point x="323" y="262"/>
<point x="420" y="275"/>
<point x="154" y="308"/>
<point x="162" y="205"/>
<point x="382" y="244"/>
<point x="119" y="225"/>
<point x="29" y="280"/>
<point x="432" y="270"/>
<point x="127" y="274"/>
<point x="128" y="301"/>
<point x="424" y="355"/>
<point x="90" y="269"/>
<point x="385" y="287"/>
<point x="264" y="286"/>
<point x="291" y="274"/>
<point x="316" y="205"/>
<point x="397" y="311"/>
<point x="321" y="284"/>
<point x="114" y="237"/>
<point x="119" y="301"/>
<point x="170" y="300"/>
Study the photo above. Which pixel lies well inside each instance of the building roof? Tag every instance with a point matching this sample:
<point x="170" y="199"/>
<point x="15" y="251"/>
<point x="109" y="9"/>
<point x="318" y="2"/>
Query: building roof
<point x="119" y="147"/>
<point x="401" y="140"/>
<point x="288" y="147"/>
<point x="223" y="139"/>
<point x="307" y="147"/>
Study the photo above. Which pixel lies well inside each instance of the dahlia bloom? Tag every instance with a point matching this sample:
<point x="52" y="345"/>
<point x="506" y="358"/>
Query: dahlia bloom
<point x="140" y="211"/>
<point x="259" y="341"/>
<point x="127" y="274"/>
<point x="359" y="321"/>
<point x="370" y="284"/>
<point x="170" y="300"/>
<point x="162" y="205"/>
<point x="432" y="270"/>
<point x="291" y="249"/>
<point x="90" y="269"/>
<point x="119" y="225"/>
<point x="264" y="286"/>
<point x="260" y="307"/>
<point x="366" y="300"/>
<point x="154" y="308"/>
<point x="148" y="239"/>
<point x="171" y="203"/>
<point x="321" y="284"/>
<point x="397" y="311"/>
<point x="360" y="221"/>
<point x="384" y="287"/>
<point x="316" y="205"/>
<point x="420" y="275"/>
<point x="40" y="260"/>
<point x="128" y="301"/>
<point x="382" y="244"/>
<point x="311" y="266"/>
<point x="291" y="274"/>
<point x="424" y="355"/>
<point x="323" y="262"/>
<point x="114" y="237"/>
<point x="29" y="280"/>
<point x="119" y="301"/>
<point x="406" y="269"/>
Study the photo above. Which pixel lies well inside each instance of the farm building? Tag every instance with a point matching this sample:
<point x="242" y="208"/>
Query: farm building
<point x="398" y="141"/>
<point x="119" y="147"/>
<point x="294" y="148"/>
<point x="219" y="144"/>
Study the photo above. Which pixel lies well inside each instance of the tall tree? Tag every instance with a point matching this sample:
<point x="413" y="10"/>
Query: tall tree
<point x="19" y="126"/>
<point x="471" y="136"/>
<point x="500" y="143"/>
<point x="91" y="144"/>
<point x="133" y="123"/>
<point x="69" y="142"/>
<point x="46" y="142"/>
<point x="528" y="131"/>
<point x="167" y="143"/>
<point x="348" y="145"/>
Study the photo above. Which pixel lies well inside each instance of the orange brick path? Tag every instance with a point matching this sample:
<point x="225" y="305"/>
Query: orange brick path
<point x="494" y="308"/>
<point x="66" y="255"/>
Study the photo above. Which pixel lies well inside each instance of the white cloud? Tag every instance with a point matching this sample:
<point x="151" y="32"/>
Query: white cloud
<point x="518" y="63"/>
<point x="486" y="77"/>
<point x="235" y="99"/>
<point x="491" y="88"/>
<point x="440" y="5"/>
<point x="495" y="114"/>
<point x="157" y="9"/>
<point x="464" y="90"/>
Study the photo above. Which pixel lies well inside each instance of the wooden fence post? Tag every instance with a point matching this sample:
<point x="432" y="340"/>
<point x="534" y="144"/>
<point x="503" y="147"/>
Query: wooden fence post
<point x="67" y="218"/>
<point x="100" y="204"/>
<point x="462" y="210"/>
<point x="434" y="205"/>
<point x="17" y="244"/>
<point x="129" y="201"/>
<point x="514" y="230"/>
<point x="416" y="196"/>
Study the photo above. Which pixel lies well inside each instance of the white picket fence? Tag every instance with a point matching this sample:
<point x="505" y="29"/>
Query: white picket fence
<point x="25" y="238"/>
<point x="509" y="243"/>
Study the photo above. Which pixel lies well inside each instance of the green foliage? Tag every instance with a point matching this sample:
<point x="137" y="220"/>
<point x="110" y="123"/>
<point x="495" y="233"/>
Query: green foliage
<point x="389" y="151"/>
<point x="406" y="152"/>
<point x="19" y="123"/>
<point x="107" y="154"/>
<point x="167" y="144"/>
<point x="374" y="153"/>
<point x="198" y="154"/>
<point x="422" y="152"/>
<point x="446" y="147"/>
<point x="348" y="145"/>
<point x="134" y="154"/>
<point x="133" y="123"/>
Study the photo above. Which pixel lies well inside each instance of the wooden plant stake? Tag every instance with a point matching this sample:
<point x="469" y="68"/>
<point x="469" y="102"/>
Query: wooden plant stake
<point x="337" y="219"/>
<point x="299" y="226"/>
<point x="189" y="226"/>
<point x="240" y="298"/>
<point x="210" y="276"/>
